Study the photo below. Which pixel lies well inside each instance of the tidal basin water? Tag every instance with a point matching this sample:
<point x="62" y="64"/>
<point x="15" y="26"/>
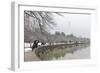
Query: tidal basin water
<point x="79" y="54"/>
<point x="61" y="52"/>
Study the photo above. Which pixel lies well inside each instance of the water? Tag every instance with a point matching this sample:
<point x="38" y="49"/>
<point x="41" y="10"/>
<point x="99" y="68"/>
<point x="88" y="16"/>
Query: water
<point x="64" y="52"/>
<point x="61" y="52"/>
<point x="79" y="54"/>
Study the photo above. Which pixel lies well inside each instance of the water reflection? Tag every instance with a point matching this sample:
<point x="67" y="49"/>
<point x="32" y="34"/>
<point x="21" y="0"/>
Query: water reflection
<point x="51" y="52"/>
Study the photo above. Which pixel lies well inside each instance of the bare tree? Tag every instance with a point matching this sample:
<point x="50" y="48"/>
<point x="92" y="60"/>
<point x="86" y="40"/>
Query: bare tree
<point x="43" y="19"/>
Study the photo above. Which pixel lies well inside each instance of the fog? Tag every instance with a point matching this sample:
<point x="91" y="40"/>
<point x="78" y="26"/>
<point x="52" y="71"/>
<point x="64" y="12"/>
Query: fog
<point x="77" y="24"/>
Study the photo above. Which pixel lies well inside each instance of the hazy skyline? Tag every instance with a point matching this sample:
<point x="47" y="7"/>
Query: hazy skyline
<point x="77" y="24"/>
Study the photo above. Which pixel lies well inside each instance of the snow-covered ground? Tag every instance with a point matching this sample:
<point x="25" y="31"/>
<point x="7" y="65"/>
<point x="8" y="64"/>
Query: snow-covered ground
<point x="28" y="49"/>
<point x="28" y="44"/>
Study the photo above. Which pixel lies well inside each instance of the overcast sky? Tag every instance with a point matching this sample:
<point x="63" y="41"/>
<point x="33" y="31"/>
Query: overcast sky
<point x="77" y="24"/>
